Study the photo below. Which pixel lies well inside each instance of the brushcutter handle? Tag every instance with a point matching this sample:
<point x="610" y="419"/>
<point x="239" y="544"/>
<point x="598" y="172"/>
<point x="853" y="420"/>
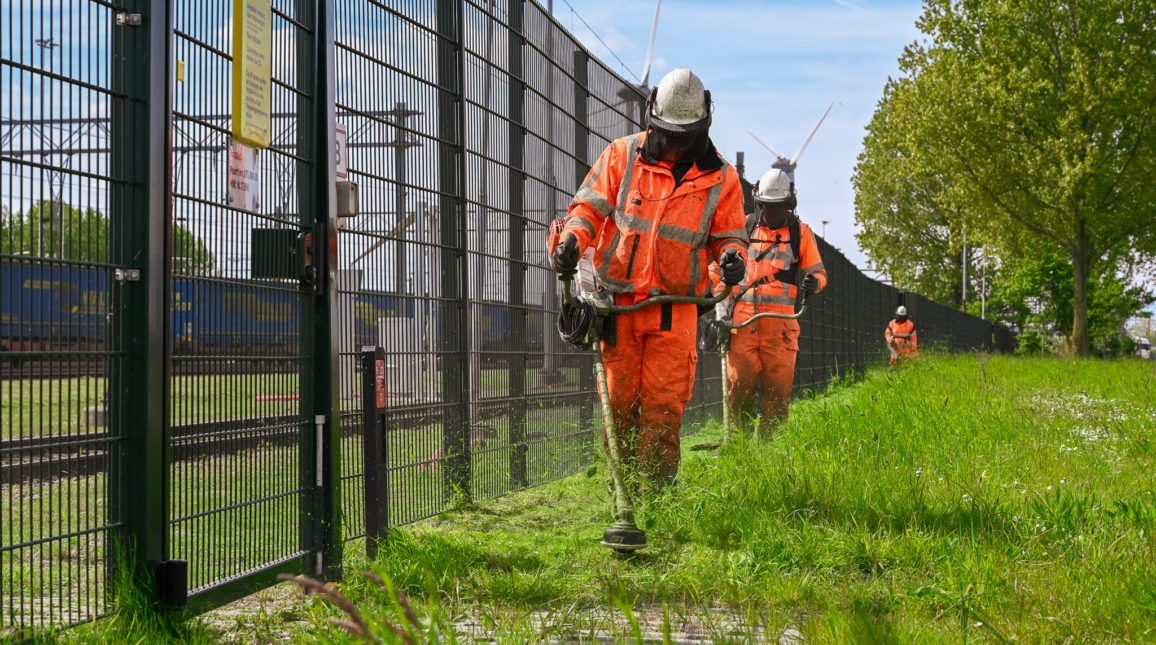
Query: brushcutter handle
<point x="658" y="300"/>
<point x="708" y="301"/>
<point x="794" y="316"/>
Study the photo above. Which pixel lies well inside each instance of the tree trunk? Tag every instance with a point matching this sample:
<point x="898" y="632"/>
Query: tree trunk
<point x="1081" y="264"/>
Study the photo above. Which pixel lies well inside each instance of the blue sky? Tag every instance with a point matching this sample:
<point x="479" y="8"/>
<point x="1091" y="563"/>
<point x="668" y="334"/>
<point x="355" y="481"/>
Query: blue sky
<point x="772" y="67"/>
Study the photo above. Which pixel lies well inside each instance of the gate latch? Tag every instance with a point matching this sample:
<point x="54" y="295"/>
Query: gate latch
<point x="130" y="19"/>
<point x="126" y="275"/>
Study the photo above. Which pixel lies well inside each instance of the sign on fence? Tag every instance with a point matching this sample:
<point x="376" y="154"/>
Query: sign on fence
<point x="244" y="177"/>
<point x="252" y="65"/>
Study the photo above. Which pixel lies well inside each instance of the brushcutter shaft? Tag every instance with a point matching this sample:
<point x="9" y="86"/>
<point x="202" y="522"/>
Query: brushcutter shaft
<point x="653" y="300"/>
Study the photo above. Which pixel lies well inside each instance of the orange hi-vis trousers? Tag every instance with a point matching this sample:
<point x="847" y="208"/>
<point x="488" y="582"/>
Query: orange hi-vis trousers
<point x="650" y="376"/>
<point x="767" y="354"/>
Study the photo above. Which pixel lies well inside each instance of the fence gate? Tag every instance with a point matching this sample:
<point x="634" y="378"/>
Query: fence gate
<point x="253" y="401"/>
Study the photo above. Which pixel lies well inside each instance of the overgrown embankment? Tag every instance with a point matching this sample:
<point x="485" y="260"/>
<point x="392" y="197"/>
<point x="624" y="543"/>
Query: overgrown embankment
<point x="956" y="499"/>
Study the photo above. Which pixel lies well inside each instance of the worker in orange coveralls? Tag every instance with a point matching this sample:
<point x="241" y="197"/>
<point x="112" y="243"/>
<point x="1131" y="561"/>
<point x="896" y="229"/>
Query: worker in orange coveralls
<point x="659" y="207"/>
<point x="781" y="247"/>
<point x="902" y="340"/>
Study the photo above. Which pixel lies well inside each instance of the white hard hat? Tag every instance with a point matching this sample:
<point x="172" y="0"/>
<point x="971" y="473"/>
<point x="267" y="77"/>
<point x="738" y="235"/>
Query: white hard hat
<point x="901" y="311"/>
<point x="679" y="103"/>
<point x="775" y="186"/>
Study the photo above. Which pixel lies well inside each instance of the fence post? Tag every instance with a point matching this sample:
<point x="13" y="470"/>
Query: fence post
<point x="586" y="417"/>
<point x="515" y="288"/>
<point x="454" y="316"/>
<point x="139" y="218"/>
<point x="375" y="449"/>
<point x="320" y="322"/>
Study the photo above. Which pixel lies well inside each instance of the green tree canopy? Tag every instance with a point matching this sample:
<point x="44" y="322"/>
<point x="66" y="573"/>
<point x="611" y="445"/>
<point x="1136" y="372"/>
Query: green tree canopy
<point x="1038" y="120"/>
<point x="906" y="228"/>
<point x="60" y="230"/>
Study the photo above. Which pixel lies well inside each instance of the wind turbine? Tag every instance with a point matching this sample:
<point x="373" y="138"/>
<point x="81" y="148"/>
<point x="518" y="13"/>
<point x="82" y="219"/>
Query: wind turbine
<point x="788" y="165"/>
<point x="637" y="94"/>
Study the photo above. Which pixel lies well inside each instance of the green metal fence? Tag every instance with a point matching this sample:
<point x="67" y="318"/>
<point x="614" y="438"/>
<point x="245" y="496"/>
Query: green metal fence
<point x="180" y="389"/>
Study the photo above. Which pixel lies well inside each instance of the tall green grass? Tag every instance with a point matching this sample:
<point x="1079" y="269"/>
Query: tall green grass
<point x="960" y="499"/>
<point x="966" y="498"/>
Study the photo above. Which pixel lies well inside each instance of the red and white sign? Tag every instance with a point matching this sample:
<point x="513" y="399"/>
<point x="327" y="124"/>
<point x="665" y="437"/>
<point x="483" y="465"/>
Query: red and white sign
<point x="340" y="153"/>
<point x="380" y="384"/>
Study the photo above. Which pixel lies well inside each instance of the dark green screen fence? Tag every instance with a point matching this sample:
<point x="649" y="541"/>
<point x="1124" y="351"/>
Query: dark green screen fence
<point x="174" y="393"/>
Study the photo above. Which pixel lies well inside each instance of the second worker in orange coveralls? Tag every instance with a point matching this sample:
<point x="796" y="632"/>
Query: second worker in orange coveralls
<point x="780" y="247"/>
<point x="659" y="206"/>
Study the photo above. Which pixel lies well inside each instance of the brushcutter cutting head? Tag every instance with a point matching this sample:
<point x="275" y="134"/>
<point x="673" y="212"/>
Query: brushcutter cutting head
<point x="624" y="539"/>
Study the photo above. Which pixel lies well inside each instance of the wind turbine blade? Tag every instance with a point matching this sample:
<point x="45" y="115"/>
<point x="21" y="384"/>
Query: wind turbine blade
<point x="767" y="145"/>
<point x="803" y="147"/>
<point x="650" y="49"/>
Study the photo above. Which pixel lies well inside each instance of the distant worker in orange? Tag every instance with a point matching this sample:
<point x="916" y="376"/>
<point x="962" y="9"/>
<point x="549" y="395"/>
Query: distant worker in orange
<point x="902" y="341"/>
<point x="659" y="207"/>
<point x="762" y="357"/>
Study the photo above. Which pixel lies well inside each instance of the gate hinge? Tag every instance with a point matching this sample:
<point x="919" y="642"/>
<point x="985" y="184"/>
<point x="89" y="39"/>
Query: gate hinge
<point x="130" y="19"/>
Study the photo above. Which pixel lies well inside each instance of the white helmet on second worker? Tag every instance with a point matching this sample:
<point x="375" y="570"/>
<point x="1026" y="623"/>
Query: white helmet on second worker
<point x="680" y="104"/>
<point x="775" y="186"/>
<point x="901" y="311"/>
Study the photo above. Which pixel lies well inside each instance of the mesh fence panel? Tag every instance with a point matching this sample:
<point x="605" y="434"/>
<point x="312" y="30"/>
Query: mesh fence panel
<point x="203" y="413"/>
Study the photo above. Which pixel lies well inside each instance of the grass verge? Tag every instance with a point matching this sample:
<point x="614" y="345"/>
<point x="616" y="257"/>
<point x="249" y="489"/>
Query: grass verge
<point x="979" y="499"/>
<point x="961" y="499"/>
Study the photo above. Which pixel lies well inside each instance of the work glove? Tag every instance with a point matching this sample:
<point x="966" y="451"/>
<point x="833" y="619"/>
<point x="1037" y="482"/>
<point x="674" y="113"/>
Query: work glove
<point x="810" y="283"/>
<point x="733" y="266"/>
<point x="566" y="256"/>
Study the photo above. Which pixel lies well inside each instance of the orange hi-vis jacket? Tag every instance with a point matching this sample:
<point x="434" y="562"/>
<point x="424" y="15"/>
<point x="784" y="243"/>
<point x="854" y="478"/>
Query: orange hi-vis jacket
<point x="770" y="252"/>
<point x="654" y="236"/>
<point x="902" y="336"/>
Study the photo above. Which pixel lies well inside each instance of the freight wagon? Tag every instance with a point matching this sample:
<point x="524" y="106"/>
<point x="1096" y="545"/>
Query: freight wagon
<point x="47" y="307"/>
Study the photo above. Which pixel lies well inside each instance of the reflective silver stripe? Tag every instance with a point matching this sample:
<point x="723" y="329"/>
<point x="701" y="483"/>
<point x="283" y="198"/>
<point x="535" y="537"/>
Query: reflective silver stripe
<point x="617" y="286"/>
<point x="786" y="256"/>
<point x="596" y="201"/>
<point x="632" y="222"/>
<point x="737" y="233"/>
<point x="695" y="271"/>
<point x="632" y="143"/>
<point x="759" y="299"/>
<point x="594" y="174"/>
<point x="676" y="233"/>
<point x="578" y="220"/>
<point x="814" y="268"/>
<point x="708" y="209"/>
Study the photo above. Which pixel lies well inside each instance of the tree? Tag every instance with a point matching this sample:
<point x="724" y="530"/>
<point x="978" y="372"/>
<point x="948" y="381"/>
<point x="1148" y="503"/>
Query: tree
<point x="56" y="230"/>
<point x="906" y="227"/>
<point x="1037" y="287"/>
<point x="1043" y="113"/>
<point x="59" y="230"/>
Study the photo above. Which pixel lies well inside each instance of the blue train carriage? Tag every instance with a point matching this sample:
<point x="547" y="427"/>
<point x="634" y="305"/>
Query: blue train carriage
<point x="52" y="307"/>
<point x="368" y="308"/>
<point x="215" y="317"/>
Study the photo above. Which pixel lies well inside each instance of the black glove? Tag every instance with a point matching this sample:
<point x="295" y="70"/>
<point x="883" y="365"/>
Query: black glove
<point x="734" y="267"/>
<point x="566" y="256"/>
<point x="810" y="283"/>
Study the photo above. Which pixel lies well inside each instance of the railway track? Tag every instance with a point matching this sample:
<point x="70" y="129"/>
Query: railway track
<point x="40" y="370"/>
<point x="30" y="459"/>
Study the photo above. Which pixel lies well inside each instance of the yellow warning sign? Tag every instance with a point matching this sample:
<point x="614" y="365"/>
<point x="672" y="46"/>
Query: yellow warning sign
<point x="252" y="66"/>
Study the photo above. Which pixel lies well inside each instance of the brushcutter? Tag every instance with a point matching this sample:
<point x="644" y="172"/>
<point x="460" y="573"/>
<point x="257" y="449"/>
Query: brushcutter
<point x="723" y="348"/>
<point x="624" y="536"/>
<point x="891" y="345"/>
